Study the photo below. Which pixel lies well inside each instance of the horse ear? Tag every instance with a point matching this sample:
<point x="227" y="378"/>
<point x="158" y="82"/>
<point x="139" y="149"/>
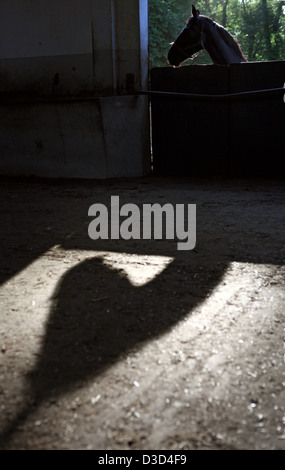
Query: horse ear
<point x="194" y="11"/>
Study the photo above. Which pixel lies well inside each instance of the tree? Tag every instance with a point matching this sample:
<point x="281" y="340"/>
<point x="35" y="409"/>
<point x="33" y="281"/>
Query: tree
<point x="166" y="19"/>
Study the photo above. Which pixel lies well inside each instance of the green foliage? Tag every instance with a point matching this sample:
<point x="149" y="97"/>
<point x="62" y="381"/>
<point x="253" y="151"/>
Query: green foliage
<point x="166" y="20"/>
<point x="258" y="25"/>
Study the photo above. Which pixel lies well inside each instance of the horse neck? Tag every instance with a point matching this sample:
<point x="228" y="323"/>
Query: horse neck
<point x="220" y="45"/>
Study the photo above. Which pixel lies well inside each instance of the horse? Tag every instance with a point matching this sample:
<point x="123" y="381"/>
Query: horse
<point x="200" y="33"/>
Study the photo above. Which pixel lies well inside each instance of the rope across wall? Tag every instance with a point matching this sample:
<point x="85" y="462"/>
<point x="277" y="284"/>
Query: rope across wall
<point x="240" y="96"/>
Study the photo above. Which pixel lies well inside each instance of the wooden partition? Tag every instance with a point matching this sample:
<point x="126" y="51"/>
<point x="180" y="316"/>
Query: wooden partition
<point x="240" y="135"/>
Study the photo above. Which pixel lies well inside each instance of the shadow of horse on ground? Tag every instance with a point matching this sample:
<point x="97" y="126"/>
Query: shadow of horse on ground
<point x="98" y="315"/>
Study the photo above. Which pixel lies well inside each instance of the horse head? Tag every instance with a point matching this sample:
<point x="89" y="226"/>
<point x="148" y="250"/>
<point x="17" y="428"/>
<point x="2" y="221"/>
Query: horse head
<point x="189" y="42"/>
<point x="200" y="33"/>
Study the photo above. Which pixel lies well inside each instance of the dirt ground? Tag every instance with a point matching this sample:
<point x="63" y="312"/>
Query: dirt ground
<point x="133" y="344"/>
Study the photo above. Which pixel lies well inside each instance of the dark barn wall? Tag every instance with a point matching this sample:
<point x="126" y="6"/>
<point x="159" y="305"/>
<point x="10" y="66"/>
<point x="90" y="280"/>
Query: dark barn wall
<point x="256" y="144"/>
<point x="243" y="137"/>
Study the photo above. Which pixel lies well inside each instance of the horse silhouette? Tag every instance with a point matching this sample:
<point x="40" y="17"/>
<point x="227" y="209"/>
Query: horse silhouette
<point x="200" y="33"/>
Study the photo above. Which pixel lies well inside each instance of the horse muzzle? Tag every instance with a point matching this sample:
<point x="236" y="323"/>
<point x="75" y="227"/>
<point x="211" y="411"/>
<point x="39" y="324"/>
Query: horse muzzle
<point x="176" y="55"/>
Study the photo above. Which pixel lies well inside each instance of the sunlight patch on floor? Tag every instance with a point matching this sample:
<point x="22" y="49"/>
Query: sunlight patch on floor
<point x="139" y="269"/>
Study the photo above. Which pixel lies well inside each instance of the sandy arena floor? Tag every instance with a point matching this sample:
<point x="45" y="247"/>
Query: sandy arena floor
<point x="132" y="344"/>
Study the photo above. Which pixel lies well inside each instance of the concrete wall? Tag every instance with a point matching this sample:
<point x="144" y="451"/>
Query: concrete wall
<point x="45" y="46"/>
<point x="87" y="51"/>
<point x="105" y="137"/>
